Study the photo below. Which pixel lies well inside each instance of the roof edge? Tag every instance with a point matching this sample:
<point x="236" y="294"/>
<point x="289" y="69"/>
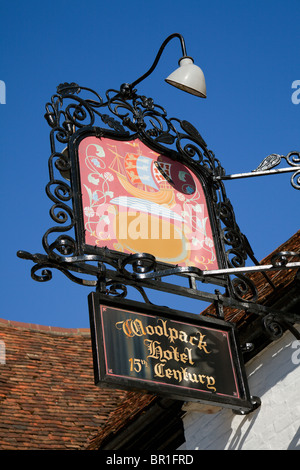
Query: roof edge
<point x="55" y="330"/>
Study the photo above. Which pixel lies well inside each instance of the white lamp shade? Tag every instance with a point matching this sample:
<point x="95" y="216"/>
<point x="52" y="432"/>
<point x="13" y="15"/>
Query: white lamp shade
<point x="188" y="77"/>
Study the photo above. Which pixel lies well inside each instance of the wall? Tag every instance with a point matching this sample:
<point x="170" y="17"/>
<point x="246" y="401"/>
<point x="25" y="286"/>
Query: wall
<point x="274" y="376"/>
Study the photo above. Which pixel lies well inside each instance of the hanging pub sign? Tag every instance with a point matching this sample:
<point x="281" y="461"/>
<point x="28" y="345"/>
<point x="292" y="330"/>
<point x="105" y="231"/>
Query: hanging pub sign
<point x="163" y="351"/>
<point x="136" y="201"/>
<point x="134" y="198"/>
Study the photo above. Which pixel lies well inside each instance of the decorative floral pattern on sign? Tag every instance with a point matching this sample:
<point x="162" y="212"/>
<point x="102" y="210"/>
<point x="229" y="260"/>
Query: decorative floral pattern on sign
<point x="136" y="200"/>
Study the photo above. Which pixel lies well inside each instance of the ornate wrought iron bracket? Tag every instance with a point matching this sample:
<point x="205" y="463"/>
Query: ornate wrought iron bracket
<point x="266" y="168"/>
<point x="125" y="114"/>
<point x="114" y="283"/>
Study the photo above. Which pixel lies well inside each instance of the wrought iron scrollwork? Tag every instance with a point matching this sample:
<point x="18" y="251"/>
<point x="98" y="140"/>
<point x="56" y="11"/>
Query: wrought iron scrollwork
<point x="282" y="258"/>
<point x="273" y="326"/>
<point x="45" y="264"/>
<point x="237" y="252"/>
<point x="276" y="324"/>
<point x="115" y="289"/>
<point x="74" y="107"/>
<point x="273" y="160"/>
<point x="128" y="114"/>
<point x="244" y="288"/>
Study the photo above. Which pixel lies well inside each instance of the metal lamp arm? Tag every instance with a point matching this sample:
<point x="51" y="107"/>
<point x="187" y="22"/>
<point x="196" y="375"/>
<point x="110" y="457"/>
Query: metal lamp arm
<point x="166" y="41"/>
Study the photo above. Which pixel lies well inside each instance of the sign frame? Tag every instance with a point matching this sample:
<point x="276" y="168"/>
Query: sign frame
<point x="243" y="403"/>
<point x="110" y="254"/>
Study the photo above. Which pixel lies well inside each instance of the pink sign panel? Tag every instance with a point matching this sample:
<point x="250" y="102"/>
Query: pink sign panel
<point x="137" y="200"/>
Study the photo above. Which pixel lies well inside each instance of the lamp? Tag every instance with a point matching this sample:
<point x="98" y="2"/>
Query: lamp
<point x="188" y="77"/>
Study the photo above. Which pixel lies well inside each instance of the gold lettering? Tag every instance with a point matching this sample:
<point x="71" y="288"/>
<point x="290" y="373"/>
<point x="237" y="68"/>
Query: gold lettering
<point x="155" y="349"/>
<point x="168" y="355"/>
<point x="163" y="357"/>
<point x="184" y="375"/>
<point x="138" y="328"/>
<point x="191" y="340"/>
<point x="210" y="383"/>
<point x="183" y="357"/>
<point x="175" y="354"/>
<point x="156" y="352"/>
<point x="201" y="343"/>
<point x="189" y="353"/>
<point x="177" y="375"/>
<point x="193" y="378"/>
<point x="126" y="327"/>
<point x="183" y="336"/>
<point x="159" y="370"/>
<point x="173" y="333"/>
<point x="158" y="330"/>
<point x="150" y="330"/>
<point x="201" y="378"/>
<point x="164" y="323"/>
<point x="131" y="327"/>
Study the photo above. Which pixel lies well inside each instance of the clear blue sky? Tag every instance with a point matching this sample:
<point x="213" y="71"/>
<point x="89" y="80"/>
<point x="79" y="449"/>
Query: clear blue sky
<point x="249" y="52"/>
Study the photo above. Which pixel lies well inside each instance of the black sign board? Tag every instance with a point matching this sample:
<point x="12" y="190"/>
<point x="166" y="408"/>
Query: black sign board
<point x="186" y="356"/>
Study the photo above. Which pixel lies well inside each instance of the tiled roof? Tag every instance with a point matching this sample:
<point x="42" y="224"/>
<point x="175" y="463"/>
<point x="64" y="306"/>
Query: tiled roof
<point x="48" y="399"/>
<point x="127" y="411"/>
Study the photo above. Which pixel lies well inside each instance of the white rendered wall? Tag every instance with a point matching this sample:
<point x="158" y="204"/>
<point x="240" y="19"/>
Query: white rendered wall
<point x="274" y="376"/>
